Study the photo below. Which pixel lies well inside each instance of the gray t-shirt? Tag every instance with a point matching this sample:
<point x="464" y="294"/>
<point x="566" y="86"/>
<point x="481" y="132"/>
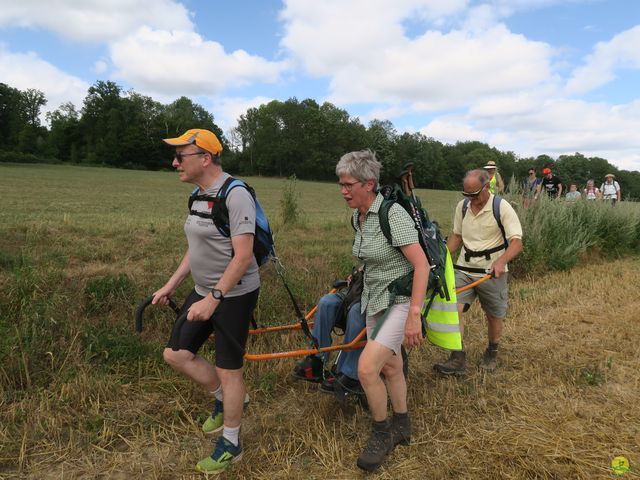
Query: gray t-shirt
<point x="209" y="251"/>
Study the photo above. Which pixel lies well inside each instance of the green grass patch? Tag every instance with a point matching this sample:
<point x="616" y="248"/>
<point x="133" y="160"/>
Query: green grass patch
<point x="105" y="293"/>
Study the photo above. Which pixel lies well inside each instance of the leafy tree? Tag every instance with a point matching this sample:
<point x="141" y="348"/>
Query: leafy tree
<point x="11" y="118"/>
<point x="64" y="138"/>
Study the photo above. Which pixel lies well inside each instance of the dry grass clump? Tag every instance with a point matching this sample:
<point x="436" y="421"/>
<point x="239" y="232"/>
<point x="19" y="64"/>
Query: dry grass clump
<point x="561" y="405"/>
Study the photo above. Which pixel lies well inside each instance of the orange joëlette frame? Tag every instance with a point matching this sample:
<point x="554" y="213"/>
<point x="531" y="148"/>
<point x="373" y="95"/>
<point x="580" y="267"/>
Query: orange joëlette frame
<point x="357" y="342"/>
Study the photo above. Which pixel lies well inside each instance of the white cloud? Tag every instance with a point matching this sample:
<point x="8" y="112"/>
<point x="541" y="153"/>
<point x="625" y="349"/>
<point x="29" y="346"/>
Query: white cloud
<point x="329" y="35"/>
<point x="27" y="70"/>
<point x="166" y="63"/>
<point x="100" y="67"/>
<point x="94" y="20"/>
<point x="552" y="126"/>
<point x="372" y="60"/>
<point x="452" y="129"/>
<point x="622" y="51"/>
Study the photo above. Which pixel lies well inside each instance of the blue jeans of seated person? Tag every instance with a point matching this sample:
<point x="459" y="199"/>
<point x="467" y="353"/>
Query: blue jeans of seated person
<point x="328" y="307"/>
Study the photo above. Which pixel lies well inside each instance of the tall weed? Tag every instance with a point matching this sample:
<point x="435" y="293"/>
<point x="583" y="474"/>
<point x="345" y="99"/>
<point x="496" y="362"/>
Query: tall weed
<point x="557" y="233"/>
<point x="289" y="203"/>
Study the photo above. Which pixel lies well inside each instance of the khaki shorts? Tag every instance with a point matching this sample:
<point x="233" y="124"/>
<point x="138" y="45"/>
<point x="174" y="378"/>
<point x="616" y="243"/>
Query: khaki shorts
<point x="493" y="294"/>
<point x="391" y="334"/>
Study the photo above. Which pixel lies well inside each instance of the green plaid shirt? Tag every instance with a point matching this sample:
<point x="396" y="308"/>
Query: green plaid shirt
<point x="383" y="263"/>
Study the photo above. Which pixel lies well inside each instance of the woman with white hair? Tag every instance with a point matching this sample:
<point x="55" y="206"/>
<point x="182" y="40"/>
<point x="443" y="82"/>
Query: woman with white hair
<point x="391" y="322"/>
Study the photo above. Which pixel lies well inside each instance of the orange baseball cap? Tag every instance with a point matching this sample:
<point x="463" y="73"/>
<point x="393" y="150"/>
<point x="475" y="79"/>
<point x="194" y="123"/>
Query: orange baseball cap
<point x="546" y="171"/>
<point x="198" y="136"/>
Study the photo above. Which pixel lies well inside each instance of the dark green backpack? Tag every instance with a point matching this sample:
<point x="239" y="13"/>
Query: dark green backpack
<point x="431" y="241"/>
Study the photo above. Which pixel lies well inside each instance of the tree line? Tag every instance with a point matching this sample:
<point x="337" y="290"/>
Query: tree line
<point x="124" y="129"/>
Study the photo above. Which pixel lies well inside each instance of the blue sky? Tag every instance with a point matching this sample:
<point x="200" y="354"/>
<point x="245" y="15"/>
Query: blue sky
<point x="530" y="76"/>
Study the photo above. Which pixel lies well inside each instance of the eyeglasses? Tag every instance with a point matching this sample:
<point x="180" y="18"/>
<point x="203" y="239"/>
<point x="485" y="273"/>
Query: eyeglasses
<point x="179" y="156"/>
<point x="348" y="186"/>
<point x="473" y="194"/>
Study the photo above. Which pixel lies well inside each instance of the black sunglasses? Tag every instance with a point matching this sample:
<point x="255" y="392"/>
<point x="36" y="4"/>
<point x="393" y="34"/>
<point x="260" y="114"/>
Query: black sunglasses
<point x="473" y="194"/>
<point x="180" y="156"/>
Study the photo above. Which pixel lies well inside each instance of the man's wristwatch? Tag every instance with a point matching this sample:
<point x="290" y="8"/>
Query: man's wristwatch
<point x="217" y="294"/>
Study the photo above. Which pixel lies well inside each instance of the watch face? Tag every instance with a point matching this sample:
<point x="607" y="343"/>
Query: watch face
<point x="217" y="294"/>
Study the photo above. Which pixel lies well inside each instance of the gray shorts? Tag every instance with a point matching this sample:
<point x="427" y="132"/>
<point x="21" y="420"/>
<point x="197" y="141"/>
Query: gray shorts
<point x="391" y="334"/>
<point x="493" y="294"/>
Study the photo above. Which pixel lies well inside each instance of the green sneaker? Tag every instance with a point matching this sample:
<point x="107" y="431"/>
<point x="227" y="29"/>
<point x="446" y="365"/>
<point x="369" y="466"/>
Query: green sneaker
<point x="215" y="422"/>
<point x="224" y="455"/>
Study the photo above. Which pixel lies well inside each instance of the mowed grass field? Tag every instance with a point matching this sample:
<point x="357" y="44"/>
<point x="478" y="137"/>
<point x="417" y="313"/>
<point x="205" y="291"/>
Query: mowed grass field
<point x="83" y="396"/>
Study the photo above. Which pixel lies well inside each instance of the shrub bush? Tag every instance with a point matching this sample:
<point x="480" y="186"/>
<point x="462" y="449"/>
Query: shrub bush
<point x="557" y="233"/>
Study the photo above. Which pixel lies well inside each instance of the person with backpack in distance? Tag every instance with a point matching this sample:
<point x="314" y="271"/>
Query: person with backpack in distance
<point x="551" y="184"/>
<point x="488" y="230"/>
<point x="341" y="310"/>
<point x="496" y="184"/>
<point x="591" y="192"/>
<point x="225" y="273"/>
<point x="530" y="188"/>
<point x="390" y="321"/>
<point x="573" y="194"/>
<point x="610" y="189"/>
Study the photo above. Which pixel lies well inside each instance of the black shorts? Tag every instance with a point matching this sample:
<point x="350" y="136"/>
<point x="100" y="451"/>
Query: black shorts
<point x="230" y="321"/>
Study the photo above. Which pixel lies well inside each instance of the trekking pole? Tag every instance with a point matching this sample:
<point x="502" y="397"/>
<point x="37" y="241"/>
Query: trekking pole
<point x="304" y="326"/>
<point x="406" y="181"/>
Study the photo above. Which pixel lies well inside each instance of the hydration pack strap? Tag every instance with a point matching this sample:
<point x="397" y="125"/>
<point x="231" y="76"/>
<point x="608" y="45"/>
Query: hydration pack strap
<point x="468" y="254"/>
<point x="471" y="269"/>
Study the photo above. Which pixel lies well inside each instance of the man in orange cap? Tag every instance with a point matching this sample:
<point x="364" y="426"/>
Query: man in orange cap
<point x="225" y="274"/>
<point x="551" y="184"/>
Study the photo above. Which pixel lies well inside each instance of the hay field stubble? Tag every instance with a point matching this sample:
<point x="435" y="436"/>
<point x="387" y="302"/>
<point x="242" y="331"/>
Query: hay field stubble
<point x="83" y="397"/>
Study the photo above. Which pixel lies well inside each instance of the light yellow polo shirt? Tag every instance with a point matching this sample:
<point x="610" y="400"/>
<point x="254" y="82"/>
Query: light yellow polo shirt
<point x="481" y="231"/>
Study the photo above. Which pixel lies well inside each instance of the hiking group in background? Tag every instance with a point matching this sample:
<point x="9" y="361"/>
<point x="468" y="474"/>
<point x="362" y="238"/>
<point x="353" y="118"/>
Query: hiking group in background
<point x="552" y="185"/>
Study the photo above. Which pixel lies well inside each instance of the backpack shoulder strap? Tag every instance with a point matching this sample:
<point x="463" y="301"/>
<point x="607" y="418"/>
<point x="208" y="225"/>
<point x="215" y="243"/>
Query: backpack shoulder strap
<point x="496" y="214"/>
<point x="465" y="207"/>
<point x="192" y="197"/>
<point x="383" y="219"/>
<point x="228" y="185"/>
<point x="220" y="211"/>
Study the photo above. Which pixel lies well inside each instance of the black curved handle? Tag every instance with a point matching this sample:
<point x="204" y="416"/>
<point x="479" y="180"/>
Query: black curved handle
<point x="144" y="304"/>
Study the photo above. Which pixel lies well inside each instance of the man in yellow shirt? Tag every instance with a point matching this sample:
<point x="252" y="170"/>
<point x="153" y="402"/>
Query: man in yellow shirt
<point x="487" y="246"/>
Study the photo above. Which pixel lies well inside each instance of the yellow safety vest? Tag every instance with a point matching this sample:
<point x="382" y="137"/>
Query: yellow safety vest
<point x="443" y="324"/>
<point x="492" y="183"/>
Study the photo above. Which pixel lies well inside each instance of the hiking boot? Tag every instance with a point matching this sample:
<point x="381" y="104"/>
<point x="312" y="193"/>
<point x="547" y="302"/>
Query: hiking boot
<point x="401" y="429"/>
<point x="345" y="385"/>
<point x="215" y="421"/>
<point x="455" y="364"/>
<point x="380" y="444"/>
<point x="309" y="369"/>
<point x="224" y="455"/>
<point x="489" y="360"/>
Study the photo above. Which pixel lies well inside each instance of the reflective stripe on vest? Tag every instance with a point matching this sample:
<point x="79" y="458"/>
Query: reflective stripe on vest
<point x="443" y="326"/>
